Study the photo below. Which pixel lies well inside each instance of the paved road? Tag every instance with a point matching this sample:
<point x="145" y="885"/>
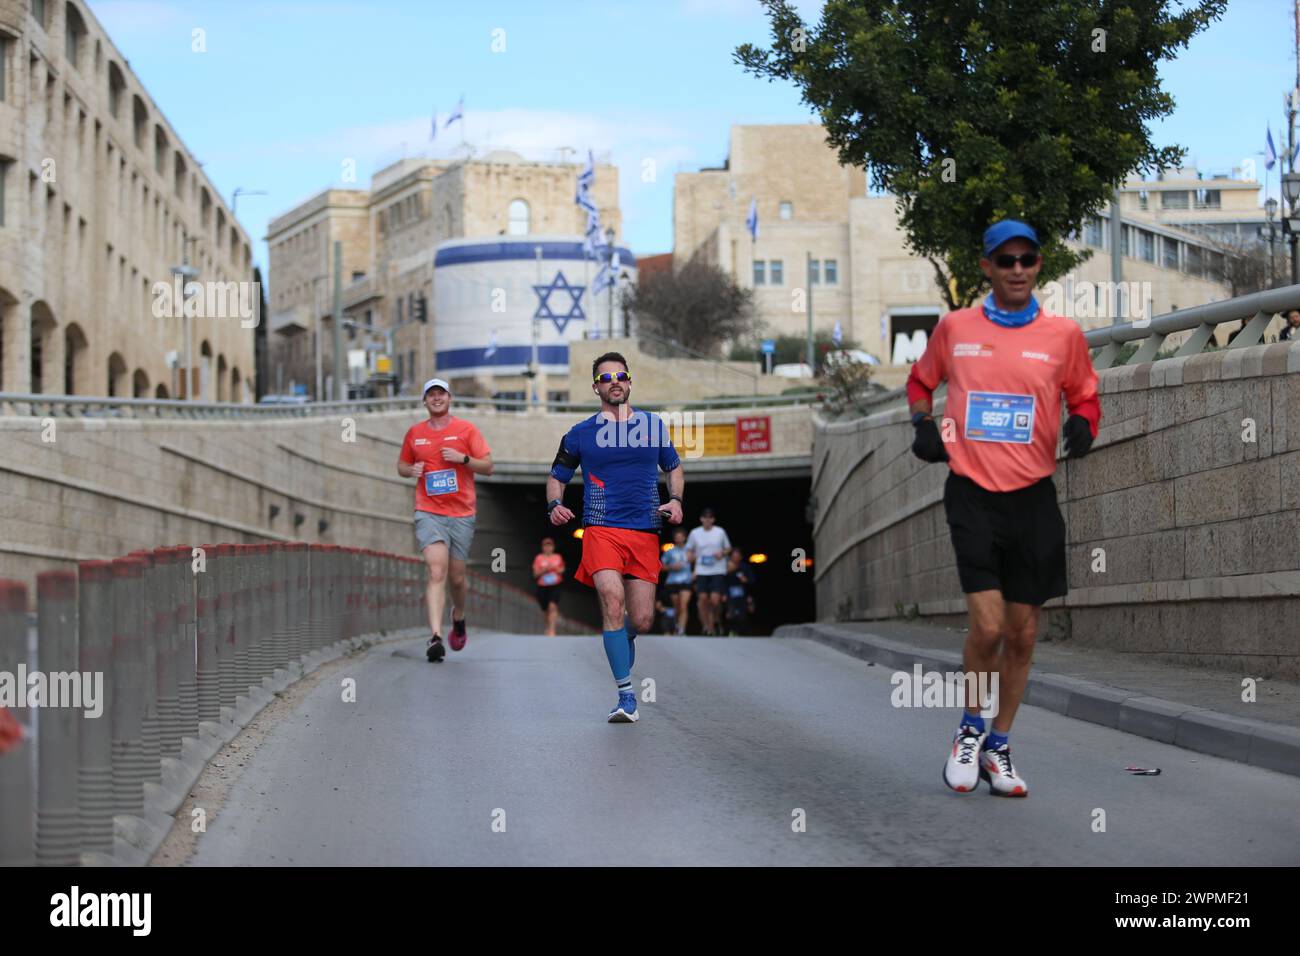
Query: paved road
<point x="743" y="732"/>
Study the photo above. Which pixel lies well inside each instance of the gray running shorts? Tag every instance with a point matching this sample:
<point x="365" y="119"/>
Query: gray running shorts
<point x="458" y="533"/>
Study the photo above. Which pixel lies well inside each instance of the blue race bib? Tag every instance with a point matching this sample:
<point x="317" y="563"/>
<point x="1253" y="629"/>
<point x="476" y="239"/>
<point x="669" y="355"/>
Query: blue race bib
<point x="549" y="579"/>
<point x="441" y="482"/>
<point x="995" y="416"/>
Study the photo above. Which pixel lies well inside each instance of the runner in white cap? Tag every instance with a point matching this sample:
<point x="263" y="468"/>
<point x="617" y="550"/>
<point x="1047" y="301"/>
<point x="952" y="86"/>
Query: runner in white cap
<point x="444" y="453"/>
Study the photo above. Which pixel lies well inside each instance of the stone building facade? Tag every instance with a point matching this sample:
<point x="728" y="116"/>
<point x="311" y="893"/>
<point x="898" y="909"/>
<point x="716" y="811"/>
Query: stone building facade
<point x="823" y="239"/>
<point x="389" y="234"/>
<point x="99" y="202"/>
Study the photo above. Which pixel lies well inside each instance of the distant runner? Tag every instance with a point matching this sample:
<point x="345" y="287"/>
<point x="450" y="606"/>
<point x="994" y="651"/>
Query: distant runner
<point x="1006" y="363"/>
<point x="548" y="572"/>
<point x="444" y="453"/>
<point x="677" y="580"/>
<point x="707" y="546"/>
<point x="620" y="452"/>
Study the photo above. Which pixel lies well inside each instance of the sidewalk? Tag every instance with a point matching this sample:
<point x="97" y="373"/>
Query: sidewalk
<point x="1196" y="708"/>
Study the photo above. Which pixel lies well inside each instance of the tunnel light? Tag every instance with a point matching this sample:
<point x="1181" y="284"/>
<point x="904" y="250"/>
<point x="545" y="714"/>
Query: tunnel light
<point x="577" y="533"/>
<point x="758" y="559"/>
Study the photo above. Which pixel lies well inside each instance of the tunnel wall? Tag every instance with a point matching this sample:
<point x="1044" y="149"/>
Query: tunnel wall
<point x="1199" y="527"/>
<point x="76" y="489"/>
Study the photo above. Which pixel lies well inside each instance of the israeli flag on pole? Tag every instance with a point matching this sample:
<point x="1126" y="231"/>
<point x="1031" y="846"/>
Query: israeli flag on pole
<point x="837" y="336"/>
<point x="491" y="349"/>
<point x="1270" y="153"/>
<point x="595" y="240"/>
<point x="751" y="221"/>
<point x="457" y="113"/>
<point x="585" y="180"/>
<point x="433" y="131"/>
<point x="604" y="280"/>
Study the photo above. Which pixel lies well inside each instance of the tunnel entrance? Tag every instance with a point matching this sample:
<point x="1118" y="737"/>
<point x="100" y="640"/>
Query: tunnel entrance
<point x="766" y="519"/>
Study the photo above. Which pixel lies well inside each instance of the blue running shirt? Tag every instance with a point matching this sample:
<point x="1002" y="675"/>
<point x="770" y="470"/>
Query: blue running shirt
<point x="620" y="462"/>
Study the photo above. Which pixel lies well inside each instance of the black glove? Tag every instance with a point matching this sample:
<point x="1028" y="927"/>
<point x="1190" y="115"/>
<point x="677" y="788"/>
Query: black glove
<point x="927" y="445"/>
<point x="1078" y="436"/>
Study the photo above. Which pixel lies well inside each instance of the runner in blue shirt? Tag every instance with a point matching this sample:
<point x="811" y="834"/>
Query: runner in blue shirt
<point x="620" y="451"/>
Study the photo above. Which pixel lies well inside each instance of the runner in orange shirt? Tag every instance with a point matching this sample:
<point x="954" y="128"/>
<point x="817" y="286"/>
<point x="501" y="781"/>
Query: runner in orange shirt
<point x="444" y="453"/>
<point x="548" y="572"/>
<point x="1007" y="364"/>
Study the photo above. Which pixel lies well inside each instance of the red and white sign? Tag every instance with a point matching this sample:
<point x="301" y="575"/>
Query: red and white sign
<point x="753" y="435"/>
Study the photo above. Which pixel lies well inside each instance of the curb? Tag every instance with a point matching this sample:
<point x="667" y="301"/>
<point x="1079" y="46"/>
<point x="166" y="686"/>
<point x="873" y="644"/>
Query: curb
<point x="1253" y="742"/>
<point x="136" y="839"/>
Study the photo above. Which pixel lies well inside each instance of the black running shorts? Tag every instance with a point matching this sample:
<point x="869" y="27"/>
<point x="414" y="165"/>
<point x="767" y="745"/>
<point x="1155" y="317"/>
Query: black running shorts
<point x="1008" y="541"/>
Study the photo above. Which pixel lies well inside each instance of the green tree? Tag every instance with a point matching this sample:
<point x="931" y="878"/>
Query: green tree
<point x="699" y="306"/>
<point x="970" y="111"/>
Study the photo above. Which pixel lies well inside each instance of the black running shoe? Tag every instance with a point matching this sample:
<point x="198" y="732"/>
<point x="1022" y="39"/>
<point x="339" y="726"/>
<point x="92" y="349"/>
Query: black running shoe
<point x="436" y="651"/>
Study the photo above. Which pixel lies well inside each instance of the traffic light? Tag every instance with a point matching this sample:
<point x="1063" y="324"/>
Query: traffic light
<point x="420" y="310"/>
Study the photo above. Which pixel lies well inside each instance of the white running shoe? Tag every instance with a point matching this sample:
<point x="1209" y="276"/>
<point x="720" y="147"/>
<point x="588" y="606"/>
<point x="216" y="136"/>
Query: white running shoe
<point x="995" y="767"/>
<point x="962" y="771"/>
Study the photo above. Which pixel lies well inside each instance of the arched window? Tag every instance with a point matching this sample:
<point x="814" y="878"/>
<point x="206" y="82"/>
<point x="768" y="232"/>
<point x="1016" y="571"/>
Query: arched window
<point x="518" y="218"/>
<point x="75" y="360"/>
<point x="116" y="376"/>
<point x="140" y="384"/>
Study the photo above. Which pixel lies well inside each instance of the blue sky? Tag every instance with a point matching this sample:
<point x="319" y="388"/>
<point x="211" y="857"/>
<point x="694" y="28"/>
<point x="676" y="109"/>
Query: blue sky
<point x="289" y="89"/>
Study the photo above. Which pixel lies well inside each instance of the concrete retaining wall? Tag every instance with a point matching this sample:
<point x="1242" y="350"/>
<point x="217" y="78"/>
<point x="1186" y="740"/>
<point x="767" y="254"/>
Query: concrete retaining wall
<point x="1199" y="526"/>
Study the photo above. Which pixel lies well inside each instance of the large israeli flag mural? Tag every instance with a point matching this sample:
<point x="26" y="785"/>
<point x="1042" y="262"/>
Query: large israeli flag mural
<point x="487" y="294"/>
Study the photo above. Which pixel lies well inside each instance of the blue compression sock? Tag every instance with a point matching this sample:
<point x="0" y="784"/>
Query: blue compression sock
<point x="631" y="643"/>
<point x="995" y="740"/>
<point x="972" y="720"/>
<point x="618" y="651"/>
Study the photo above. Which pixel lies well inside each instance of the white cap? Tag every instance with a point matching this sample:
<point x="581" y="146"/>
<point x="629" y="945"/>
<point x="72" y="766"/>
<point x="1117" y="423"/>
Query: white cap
<point x="441" y="383"/>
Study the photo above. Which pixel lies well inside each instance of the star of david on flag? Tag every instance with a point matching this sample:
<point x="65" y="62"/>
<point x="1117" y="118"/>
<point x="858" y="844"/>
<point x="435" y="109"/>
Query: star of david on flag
<point x="544" y="310"/>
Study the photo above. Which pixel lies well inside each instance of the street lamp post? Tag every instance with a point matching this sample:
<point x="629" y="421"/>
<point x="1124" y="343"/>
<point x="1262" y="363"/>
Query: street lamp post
<point x="1291" y="222"/>
<point x="187" y="274"/>
<point x="609" y="259"/>
<point x="1270" y="211"/>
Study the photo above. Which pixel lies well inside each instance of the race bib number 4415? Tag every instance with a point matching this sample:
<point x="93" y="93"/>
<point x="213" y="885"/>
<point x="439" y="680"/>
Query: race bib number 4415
<point x="1001" y="417"/>
<point x="441" y="482"/>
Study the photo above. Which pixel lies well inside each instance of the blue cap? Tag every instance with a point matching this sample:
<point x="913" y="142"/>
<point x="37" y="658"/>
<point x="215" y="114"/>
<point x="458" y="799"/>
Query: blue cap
<point x="1007" y="230"/>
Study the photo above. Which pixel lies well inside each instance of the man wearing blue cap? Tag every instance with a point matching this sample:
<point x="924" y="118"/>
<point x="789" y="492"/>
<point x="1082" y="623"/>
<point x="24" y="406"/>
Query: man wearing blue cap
<point x="1007" y="364"/>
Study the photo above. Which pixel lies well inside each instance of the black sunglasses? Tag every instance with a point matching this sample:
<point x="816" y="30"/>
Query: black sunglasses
<point x="1006" y="261"/>
<point x="604" y="378"/>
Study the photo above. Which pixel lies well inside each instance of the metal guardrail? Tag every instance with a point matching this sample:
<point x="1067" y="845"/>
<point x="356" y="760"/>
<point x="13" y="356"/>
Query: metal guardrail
<point x="1256" y="310"/>
<point x="85" y="406"/>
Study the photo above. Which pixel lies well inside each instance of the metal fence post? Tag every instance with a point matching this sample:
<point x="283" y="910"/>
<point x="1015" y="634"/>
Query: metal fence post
<point x="206" y="636"/>
<point x="95" y="744"/>
<point x="17" y="846"/>
<point x="57" y="824"/>
<point x="130" y="768"/>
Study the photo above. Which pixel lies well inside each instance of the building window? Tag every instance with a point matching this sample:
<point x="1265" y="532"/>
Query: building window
<point x="1192" y="262"/>
<point x="1144" y="200"/>
<point x="1093" y="231"/>
<point x="1146" y="246"/>
<point x="760" y="272"/>
<point x="1173" y="200"/>
<point x="1207" y="199"/>
<point x="4" y="180"/>
<point x="830" y="271"/>
<point x="1169" y="253"/>
<point x="38" y="12"/>
<point x="775" y="268"/>
<point x="4" y="64"/>
<point x="73" y="34"/>
<point x="141" y="121"/>
<point x="786" y="209"/>
<point x="814" y="272"/>
<point x="518" y="218"/>
<point x="1124" y="244"/>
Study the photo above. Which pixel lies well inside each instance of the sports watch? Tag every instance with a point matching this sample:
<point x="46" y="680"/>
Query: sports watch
<point x="918" y="417"/>
<point x="466" y="461"/>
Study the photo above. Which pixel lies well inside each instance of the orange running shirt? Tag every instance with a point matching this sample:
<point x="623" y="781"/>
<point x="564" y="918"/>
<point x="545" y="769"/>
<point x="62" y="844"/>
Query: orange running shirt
<point x="548" y="569"/>
<point x="1004" y="393"/>
<point x="446" y="487"/>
